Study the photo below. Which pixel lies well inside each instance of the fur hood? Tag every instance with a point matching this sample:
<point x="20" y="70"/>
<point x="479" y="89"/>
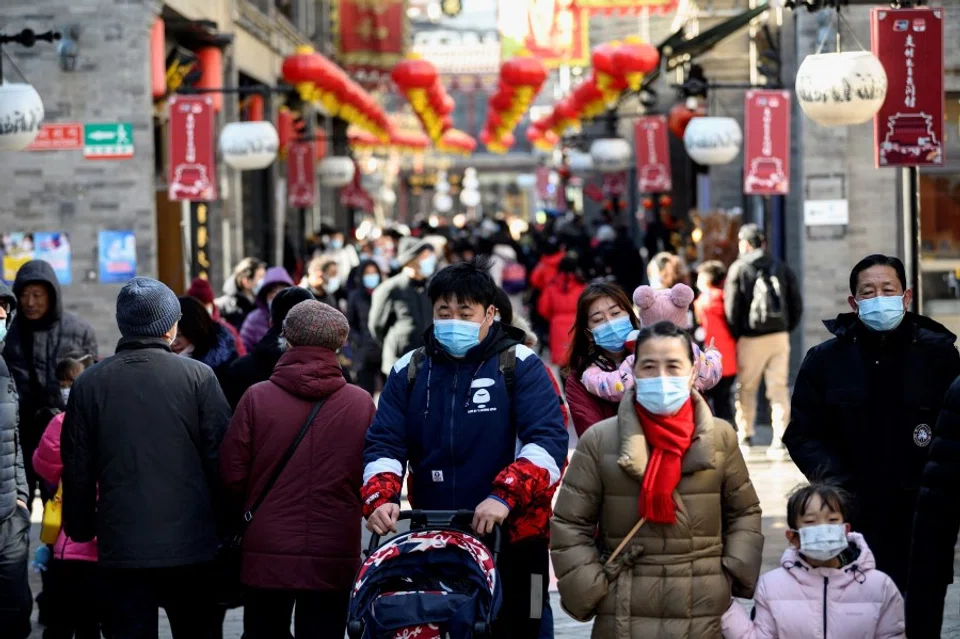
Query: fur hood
<point x="531" y="339"/>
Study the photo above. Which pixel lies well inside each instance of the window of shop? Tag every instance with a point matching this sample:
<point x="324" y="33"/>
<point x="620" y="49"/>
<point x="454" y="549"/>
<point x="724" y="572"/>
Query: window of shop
<point x="940" y="227"/>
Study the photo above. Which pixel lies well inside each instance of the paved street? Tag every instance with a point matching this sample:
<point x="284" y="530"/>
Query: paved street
<point x="773" y="480"/>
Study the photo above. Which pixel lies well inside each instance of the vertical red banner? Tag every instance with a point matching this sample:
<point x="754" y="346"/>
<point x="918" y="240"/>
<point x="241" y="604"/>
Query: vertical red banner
<point x="908" y="129"/>
<point x="653" y="154"/>
<point x="301" y="180"/>
<point x="193" y="175"/>
<point x="766" y="146"/>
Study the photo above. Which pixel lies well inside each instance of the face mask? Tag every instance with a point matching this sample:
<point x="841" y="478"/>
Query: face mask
<point x="428" y="265"/>
<point x="663" y="395"/>
<point x="457" y="336"/>
<point x="610" y="336"/>
<point x="370" y="280"/>
<point x="823" y="542"/>
<point x="332" y="285"/>
<point x="3" y="330"/>
<point x="64" y="394"/>
<point x="881" y="313"/>
<point x="336" y="244"/>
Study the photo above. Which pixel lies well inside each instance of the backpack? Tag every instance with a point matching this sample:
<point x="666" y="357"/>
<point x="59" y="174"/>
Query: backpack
<point x="508" y="368"/>
<point x="768" y="313"/>
<point x="514" y="277"/>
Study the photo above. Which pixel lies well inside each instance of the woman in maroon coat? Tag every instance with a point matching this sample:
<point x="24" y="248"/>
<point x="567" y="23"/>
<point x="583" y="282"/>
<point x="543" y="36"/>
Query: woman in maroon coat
<point x="302" y="546"/>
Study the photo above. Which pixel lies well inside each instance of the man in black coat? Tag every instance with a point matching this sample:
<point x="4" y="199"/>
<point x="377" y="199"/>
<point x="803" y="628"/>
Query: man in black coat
<point x="143" y="429"/>
<point x="258" y="365"/>
<point x="41" y="335"/>
<point x="865" y="403"/>
<point x="15" y="600"/>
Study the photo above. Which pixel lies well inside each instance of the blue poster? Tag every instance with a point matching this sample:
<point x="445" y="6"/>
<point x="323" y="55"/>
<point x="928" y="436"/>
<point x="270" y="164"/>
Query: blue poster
<point x="118" y="256"/>
<point x="20" y="248"/>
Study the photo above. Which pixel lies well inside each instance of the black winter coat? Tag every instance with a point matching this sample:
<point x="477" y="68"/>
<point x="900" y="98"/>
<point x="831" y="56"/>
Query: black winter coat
<point x="864" y="405"/>
<point x="13" y="479"/>
<point x="738" y="292"/>
<point x="34" y="348"/>
<point x="936" y="524"/>
<point x="145" y="425"/>
<point x="252" y="368"/>
<point x="366" y="351"/>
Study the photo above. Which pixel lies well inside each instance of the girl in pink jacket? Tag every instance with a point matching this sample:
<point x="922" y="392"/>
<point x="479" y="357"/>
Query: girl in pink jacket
<point x="71" y="585"/>
<point x="827" y="584"/>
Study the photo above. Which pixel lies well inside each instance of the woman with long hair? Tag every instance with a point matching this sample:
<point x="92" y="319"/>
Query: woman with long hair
<point x="605" y="317"/>
<point x="201" y="338"/>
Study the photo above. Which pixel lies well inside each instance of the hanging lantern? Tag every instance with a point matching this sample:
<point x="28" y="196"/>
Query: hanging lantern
<point x="840" y="89"/>
<point x="249" y="146"/>
<point x="470" y="197"/>
<point x="610" y="155"/>
<point x="711" y="141"/>
<point x="634" y="59"/>
<point x="336" y="171"/>
<point x="442" y="202"/>
<point x="578" y="162"/>
<point x="680" y="116"/>
<point x="21" y="114"/>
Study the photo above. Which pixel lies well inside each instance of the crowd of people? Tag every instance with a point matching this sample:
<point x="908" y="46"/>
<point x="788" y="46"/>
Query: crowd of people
<point x="275" y="418"/>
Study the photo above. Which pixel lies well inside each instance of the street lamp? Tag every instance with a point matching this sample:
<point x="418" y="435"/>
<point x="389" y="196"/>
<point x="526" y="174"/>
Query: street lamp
<point x="249" y="146"/>
<point x="711" y="141"/>
<point x="21" y="109"/>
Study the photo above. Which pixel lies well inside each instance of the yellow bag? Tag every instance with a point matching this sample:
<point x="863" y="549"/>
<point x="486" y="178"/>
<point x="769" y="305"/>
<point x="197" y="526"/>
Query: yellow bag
<point x="52" y="518"/>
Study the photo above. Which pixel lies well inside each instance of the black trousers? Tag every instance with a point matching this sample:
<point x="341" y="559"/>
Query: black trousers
<point x="16" y="602"/>
<point x="133" y="598"/>
<point x="721" y="397"/>
<point x="72" y="591"/>
<point x="524" y="569"/>
<point x="316" y="615"/>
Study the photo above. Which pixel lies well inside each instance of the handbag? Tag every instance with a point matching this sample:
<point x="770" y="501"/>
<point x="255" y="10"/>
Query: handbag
<point x="229" y="588"/>
<point x="52" y="518"/>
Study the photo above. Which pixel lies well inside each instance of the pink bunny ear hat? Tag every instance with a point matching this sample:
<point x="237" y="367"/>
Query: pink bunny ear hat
<point x="666" y="305"/>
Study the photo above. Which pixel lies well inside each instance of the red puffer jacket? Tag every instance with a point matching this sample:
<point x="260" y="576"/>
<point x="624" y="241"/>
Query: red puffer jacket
<point x="306" y="534"/>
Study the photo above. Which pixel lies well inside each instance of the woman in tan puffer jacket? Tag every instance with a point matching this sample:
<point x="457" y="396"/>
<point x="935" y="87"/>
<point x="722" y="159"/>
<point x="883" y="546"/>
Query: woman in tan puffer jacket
<point x="666" y="455"/>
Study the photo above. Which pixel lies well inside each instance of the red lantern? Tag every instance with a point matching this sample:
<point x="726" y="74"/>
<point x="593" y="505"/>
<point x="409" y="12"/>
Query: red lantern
<point x="501" y="100"/>
<point x="286" y="131"/>
<point x="679" y="118"/>
<point x="524" y="71"/>
<point x="446" y="122"/>
<point x="254" y="108"/>
<point x="666" y="200"/>
<point x="448" y="104"/>
<point x="158" y="54"/>
<point x="414" y="73"/>
<point x="648" y="203"/>
<point x="211" y="68"/>
<point x="602" y="59"/>
<point x="304" y="66"/>
<point x="486" y="137"/>
<point x="634" y="58"/>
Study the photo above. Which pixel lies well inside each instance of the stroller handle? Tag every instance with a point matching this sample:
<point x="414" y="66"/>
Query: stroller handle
<point x="458" y="519"/>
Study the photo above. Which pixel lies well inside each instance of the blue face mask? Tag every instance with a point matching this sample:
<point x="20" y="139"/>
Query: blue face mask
<point x="663" y="395"/>
<point x="428" y="265"/>
<point x="610" y="336"/>
<point x="3" y="330"/>
<point x="370" y="280"/>
<point x="881" y="313"/>
<point x="457" y="336"/>
<point x="336" y="244"/>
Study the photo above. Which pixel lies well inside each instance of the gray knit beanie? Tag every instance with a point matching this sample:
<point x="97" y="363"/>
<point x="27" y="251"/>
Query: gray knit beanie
<point x="313" y="323"/>
<point x="146" y="308"/>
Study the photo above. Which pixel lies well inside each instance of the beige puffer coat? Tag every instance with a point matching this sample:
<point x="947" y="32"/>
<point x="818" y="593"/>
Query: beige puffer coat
<point x="669" y="582"/>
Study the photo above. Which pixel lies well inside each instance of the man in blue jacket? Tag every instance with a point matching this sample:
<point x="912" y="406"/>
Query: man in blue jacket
<point x="477" y="418"/>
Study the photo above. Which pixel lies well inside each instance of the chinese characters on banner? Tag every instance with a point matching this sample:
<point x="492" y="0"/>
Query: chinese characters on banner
<point x="908" y="129"/>
<point x="192" y="168"/>
<point x="766" y="148"/>
<point x="58" y="137"/>
<point x="555" y="32"/>
<point x="301" y="185"/>
<point x="653" y="154"/>
<point x="370" y="35"/>
<point x="199" y="241"/>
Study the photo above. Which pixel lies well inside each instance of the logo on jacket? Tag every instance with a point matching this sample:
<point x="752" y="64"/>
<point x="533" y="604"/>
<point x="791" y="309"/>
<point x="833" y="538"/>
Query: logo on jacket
<point x="922" y="435"/>
<point x="481" y="396"/>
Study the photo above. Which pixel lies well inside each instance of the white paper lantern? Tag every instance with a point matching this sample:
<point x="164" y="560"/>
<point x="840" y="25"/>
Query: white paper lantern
<point x="579" y="162"/>
<point x="610" y="155"/>
<point x="387" y="196"/>
<point x="711" y="141"/>
<point x="336" y="171"/>
<point x="249" y="146"/>
<point x="442" y="202"/>
<point x="840" y="89"/>
<point x="470" y="197"/>
<point x="21" y="114"/>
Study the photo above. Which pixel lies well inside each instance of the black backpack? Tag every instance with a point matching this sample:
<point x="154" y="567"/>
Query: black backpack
<point x="768" y="312"/>
<point x="508" y="368"/>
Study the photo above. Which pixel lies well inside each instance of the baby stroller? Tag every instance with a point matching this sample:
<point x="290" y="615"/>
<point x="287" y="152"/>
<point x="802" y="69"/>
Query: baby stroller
<point x="434" y="582"/>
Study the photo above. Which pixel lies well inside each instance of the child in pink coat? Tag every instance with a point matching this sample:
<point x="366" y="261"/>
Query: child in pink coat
<point x="827" y="584"/>
<point x="71" y="585"/>
<point x="665" y="305"/>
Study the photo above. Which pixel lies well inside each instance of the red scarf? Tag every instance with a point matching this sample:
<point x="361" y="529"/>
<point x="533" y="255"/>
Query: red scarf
<point x="669" y="437"/>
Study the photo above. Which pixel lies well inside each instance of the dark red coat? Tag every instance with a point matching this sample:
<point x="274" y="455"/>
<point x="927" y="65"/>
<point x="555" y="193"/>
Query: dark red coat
<point x="306" y="535"/>
<point x="586" y="409"/>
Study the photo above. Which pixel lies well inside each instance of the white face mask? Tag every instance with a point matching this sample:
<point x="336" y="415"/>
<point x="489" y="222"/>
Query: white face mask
<point x="823" y="542"/>
<point x="64" y="394"/>
<point x="332" y="285"/>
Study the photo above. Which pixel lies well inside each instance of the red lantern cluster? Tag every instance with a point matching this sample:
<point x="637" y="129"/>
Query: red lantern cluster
<point x="419" y="82"/>
<point x="521" y="79"/>
<point x="400" y="141"/>
<point x="456" y="142"/>
<point x="617" y="66"/>
<point x="320" y="81"/>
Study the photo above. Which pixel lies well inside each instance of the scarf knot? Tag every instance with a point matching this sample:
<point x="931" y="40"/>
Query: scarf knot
<point x="669" y="437"/>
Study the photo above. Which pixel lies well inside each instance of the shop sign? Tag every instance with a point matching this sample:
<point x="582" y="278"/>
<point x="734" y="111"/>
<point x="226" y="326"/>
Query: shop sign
<point x="199" y="241"/>
<point x="653" y="154"/>
<point x="370" y="35"/>
<point x="108" y="141"/>
<point x="826" y="213"/>
<point x="192" y="167"/>
<point x="301" y="182"/>
<point x="766" y="148"/>
<point x="908" y="129"/>
<point x="58" y="137"/>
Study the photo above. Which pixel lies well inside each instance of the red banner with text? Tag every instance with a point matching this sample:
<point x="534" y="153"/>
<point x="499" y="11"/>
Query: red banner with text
<point x="653" y="154"/>
<point x="301" y="183"/>
<point x="193" y="170"/>
<point x="908" y="129"/>
<point x="766" y="146"/>
<point x="370" y="36"/>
